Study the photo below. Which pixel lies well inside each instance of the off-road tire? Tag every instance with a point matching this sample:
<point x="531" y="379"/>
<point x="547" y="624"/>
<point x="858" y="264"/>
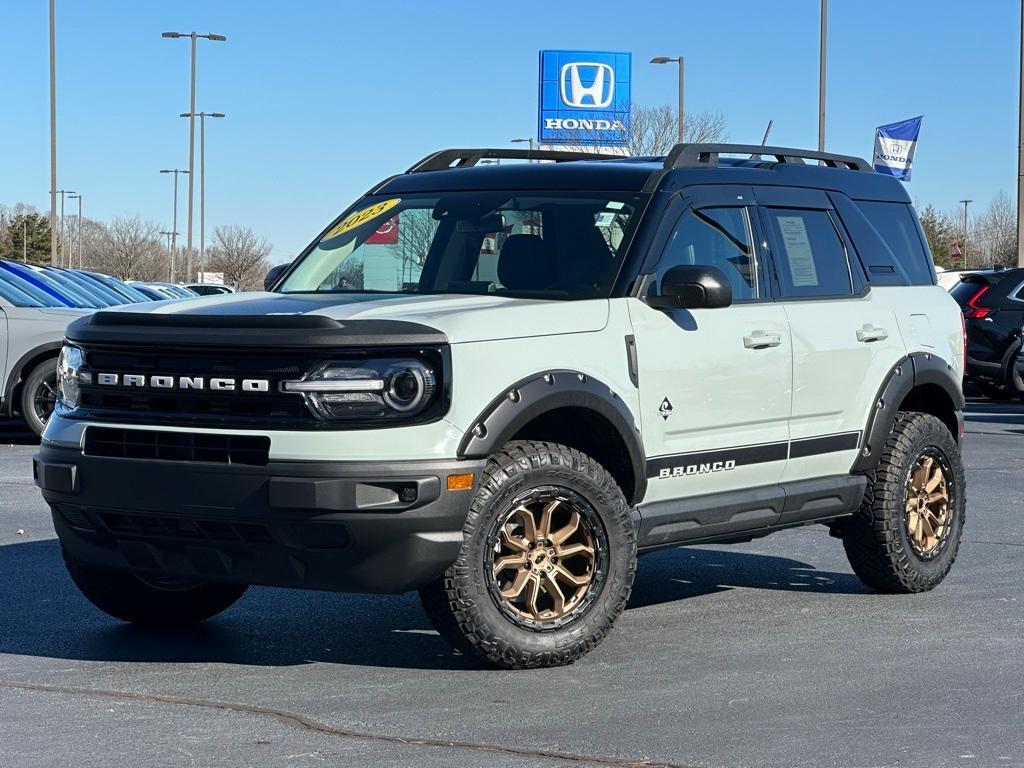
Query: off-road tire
<point x="46" y="371"/>
<point x="128" y="597"/>
<point x="876" y="540"/>
<point x="459" y="603"/>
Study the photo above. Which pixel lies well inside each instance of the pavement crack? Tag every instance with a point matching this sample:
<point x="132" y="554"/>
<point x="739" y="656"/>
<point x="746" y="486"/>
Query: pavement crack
<point x="304" y="722"/>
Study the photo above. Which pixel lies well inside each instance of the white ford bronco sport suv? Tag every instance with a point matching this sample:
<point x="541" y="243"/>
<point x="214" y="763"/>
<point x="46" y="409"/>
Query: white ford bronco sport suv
<point x="499" y="384"/>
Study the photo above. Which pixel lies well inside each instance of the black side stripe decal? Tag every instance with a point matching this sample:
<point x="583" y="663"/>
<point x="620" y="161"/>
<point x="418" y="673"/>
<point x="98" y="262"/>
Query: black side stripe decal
<point x="707" y="461"/>
<point x="812" y="446"/>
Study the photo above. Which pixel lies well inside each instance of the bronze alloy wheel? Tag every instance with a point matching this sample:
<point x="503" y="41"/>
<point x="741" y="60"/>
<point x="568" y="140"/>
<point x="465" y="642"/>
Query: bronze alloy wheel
<point x="929" y="504"/>
<point x="547" y="558"/>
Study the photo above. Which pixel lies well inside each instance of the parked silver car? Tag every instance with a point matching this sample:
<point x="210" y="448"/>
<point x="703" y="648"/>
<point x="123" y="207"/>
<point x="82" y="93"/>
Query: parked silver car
<point x="32" y="327"/>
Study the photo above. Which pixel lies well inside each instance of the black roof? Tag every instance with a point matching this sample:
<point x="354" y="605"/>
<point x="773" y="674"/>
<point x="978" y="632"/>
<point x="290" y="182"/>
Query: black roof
<point x="685" y="166"/>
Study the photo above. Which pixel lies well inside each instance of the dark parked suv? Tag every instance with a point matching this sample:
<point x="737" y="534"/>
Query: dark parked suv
<point x="993" y="306"/>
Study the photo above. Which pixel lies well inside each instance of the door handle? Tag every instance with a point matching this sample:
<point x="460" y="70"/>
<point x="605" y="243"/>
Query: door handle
<point x="869" y="333"/>
<point x="762" y="340"/>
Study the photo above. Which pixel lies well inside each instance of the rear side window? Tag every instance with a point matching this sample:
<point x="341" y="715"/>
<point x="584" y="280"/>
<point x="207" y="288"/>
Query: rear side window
<point x="809" y="254"/>
<point x="895" y="223"/>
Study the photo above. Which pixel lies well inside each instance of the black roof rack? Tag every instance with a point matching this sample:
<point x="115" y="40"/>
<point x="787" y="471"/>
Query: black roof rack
<point x="465" y="158"/>
<point x="706" y="155"/>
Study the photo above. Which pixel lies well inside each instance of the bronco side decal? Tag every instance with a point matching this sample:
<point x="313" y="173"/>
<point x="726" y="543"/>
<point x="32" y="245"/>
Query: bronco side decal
<point x="725" y="459"/>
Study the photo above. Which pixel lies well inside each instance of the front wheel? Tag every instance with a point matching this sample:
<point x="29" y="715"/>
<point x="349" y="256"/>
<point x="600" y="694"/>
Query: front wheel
<point x="547" y="560"/>
<point x="39" y="395"/>
<point x="906" y="535"/>
<point x="151" y="600"/>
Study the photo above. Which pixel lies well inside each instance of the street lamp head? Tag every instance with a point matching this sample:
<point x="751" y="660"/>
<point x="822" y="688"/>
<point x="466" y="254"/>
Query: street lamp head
<point x="662" y="60"/>
<point x="520" y="141"/>
<point x="215" y="114"/>
<point x="172" y="34"/>
<point x="218" y="38"/>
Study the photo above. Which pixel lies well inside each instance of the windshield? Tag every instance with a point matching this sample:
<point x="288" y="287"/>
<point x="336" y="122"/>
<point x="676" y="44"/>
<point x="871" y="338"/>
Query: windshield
<point x="550" y="244"/>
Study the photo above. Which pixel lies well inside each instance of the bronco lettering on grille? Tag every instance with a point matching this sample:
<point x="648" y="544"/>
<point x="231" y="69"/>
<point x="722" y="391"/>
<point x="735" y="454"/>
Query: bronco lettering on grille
<point x="162" y="381"/>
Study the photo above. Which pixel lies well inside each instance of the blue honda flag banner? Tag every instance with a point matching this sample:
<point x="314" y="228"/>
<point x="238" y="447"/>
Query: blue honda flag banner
<point x="894" y="147"/>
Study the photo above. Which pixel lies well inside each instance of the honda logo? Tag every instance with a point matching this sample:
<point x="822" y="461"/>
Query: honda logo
<point x="596" y="95"/>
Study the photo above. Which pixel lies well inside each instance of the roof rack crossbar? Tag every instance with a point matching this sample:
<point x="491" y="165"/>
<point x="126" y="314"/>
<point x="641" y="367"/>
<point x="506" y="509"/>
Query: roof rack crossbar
<point x="464" y="158"/>
<point x="704" y="155"/>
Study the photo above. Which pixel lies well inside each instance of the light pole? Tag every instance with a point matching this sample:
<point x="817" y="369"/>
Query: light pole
<point x="524" y="141"/>
<point x="60" y="235"/>
<point x="1020" y="150"/>
<point x="822" y="58"/>
<point x="174" y="222"/>
<point x="53" y="134"/>
<point x="202" y="188"/>
<point x="192" y="124"/>
<point x="682" y="91"/>
<point x="964" y="252"/>
<point x="79" y="198"/>
<point x="169" y="236"/>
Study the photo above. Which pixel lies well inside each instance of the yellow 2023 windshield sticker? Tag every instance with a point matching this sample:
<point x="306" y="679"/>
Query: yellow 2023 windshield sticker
<point x="360" y="217"/>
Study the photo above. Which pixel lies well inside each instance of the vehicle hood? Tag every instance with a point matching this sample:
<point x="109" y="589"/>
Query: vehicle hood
<point x="461" y="318"/>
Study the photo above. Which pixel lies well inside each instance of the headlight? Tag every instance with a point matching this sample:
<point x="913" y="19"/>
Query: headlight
<point x="387" y="388"/>
<point x="68" y="366"/>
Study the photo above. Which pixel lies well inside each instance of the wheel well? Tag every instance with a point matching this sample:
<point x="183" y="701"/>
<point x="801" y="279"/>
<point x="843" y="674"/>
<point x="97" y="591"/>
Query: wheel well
<point x="18" y="376"/>
<point x="589" y="432"/>
<point x="933" y="399"/>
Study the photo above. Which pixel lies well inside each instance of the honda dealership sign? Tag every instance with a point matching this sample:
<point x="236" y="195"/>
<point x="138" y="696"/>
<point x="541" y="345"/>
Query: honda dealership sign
<point x="584" y="98"/>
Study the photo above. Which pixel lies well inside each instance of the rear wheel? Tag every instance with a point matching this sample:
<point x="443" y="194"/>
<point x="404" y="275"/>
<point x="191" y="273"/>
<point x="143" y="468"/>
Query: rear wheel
<point x="1017" y="377"/>
<point x="39" y="395"/>
<point x="151" y="600"/>
<point x="906" y="535"/>
<point x="547" y="561"/>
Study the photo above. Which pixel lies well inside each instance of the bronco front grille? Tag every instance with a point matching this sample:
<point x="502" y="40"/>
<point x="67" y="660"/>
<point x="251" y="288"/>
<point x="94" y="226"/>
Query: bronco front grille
<point x="195" y="407"/>
<point x="252" y="450"/>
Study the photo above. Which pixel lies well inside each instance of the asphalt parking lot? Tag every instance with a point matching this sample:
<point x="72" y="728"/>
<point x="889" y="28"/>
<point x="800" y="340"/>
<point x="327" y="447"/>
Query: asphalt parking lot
<point x="764" y="654"/>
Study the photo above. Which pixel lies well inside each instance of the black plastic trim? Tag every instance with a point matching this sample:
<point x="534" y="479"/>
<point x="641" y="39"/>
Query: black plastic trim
<point x="535" y="395"/>
<point x="912" y="371"/>
<point x="745" y="514"/>
<point x="631" y="360"/>
<point x="368" y="526"/>
<point x="209" y="330"/>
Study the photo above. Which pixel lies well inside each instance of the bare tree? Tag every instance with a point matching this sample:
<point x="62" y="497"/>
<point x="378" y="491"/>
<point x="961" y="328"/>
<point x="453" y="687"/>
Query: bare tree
<point x="240" y="255"/>
<point x="654" y="130"/>
<point x="993" y="238"/>
<point x="416" y="229"/>
<point x="128" y="249"/>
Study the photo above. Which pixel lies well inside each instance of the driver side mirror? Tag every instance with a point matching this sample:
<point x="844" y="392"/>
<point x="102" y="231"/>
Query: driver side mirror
<point x="693" y="286"/>
<point x="273" y="275"/>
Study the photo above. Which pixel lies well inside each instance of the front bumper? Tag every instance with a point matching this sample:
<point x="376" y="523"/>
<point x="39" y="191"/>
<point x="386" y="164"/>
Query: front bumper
<point x="341" y="526"/>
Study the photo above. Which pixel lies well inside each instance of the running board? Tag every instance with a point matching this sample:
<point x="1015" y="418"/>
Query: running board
<point x="740" y="515"/>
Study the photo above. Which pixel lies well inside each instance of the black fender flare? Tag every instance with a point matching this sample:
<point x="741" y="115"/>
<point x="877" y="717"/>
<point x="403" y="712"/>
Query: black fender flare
<point x="14" y="377"/>
<point x="539" y="393"/>
<point x="914" y="370"/>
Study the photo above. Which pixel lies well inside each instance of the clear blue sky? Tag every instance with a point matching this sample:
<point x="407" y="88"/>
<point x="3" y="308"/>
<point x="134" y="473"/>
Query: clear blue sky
<point x="325" y="98"/>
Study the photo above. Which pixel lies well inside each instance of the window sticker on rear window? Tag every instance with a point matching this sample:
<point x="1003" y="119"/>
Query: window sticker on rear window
<point x="360" y="217"/>
<point x="798" y="251"/>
